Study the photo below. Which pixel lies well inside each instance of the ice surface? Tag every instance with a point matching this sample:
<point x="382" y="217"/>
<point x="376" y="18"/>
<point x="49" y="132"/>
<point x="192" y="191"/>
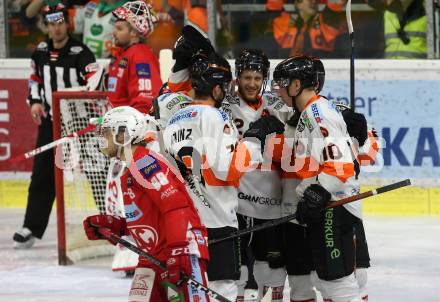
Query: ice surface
<point x="405" y="256"/>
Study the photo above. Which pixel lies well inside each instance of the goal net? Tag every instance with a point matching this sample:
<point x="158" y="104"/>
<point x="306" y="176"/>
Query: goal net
<point x="81" y="173"/>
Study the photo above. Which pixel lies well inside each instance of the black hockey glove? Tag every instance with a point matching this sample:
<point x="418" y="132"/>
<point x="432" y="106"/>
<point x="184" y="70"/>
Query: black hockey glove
<point x="356" y="125"/>
<point x="190" y="43"/>
<point x="263" y="127"/>
<point x="313" y="202"/>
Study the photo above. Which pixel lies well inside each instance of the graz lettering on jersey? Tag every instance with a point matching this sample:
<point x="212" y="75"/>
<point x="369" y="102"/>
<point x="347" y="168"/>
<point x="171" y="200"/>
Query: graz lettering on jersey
<point x="183" y="116"/>
<point x="260" y="199"/>
<point x="181" y="134"/>
<point x="132" y="212"/>
<point x="278" y="106"/>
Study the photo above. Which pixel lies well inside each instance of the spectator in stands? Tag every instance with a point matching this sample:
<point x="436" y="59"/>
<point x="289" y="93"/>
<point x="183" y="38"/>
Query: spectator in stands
<point x="321" y="34"/>
<point x="405" y="28"/>
<point x="52" y="64"/>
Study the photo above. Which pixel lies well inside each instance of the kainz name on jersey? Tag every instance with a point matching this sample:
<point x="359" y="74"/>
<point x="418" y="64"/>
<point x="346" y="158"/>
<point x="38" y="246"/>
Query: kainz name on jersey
<point x="260" y="199"/>
<point x="182" y="134"/>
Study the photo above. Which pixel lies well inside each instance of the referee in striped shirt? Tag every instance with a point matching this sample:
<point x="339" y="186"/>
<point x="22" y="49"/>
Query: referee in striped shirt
<point x="57" y="63"/>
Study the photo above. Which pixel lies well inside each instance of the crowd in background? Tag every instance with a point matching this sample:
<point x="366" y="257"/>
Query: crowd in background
<point x="384" y="28"/>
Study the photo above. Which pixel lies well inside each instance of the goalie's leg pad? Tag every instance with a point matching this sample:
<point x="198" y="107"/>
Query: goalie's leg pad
<point x="301" y="288"/>
<point x="146" y="287"/>
<point x="344" y="289"/>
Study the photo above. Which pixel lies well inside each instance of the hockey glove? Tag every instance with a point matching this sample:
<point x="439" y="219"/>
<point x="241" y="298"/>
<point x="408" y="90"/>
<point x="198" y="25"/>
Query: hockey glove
<point x="91" y="224"/>
<point x="356" y="125"/>
<point x="178" y="262"/>
<point x="262" y="127"/>
<point x="313" y="202"/>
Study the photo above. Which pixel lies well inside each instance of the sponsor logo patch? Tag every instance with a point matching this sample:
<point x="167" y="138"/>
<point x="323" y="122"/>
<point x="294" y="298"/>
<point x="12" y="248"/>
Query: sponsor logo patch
<point x="148" y="165"/>
<point x="132" y="212"/>
<point x="123" y="63"/>
<point x="143" y="70"/>
<point x="76" y="49"/>
<point x="316" y="113"/>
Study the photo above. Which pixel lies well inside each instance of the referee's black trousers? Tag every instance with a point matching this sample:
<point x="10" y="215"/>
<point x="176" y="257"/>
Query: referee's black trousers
<point x="41" y="192"/>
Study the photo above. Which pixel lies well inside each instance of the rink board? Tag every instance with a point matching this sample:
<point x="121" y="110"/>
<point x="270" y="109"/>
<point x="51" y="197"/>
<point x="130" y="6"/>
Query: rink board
<point x="412" y="201"/>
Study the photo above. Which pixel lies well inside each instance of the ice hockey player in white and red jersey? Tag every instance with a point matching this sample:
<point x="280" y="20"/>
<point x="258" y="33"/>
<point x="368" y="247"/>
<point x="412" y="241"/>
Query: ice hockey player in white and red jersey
<point x="323" y="165"/>
<point x="259" y="193"/>
<point x="205" y="143"/>
<point x="299" y="262"/>
<point x="160" y="215"/>
<point x="367" y="147"/>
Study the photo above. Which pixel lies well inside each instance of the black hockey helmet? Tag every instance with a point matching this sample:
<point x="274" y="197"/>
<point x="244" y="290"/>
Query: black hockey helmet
<point x="208" y="71"/>
<point x="252" y="59"/>
<point x="299" y="67"/>
<point x="320" y="73"/>
<point x="56" y="13"/>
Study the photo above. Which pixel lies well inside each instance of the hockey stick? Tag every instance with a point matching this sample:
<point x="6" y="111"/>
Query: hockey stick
<point x="53" y="144"/>
<point x="351" y="34"/>
<point x="194" y="283"/>
<point x="287" y="218"/>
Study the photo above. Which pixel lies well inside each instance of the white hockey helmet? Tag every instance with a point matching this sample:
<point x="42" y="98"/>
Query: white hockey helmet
<point x="168" y="104"/>
<point x="139" y="15"/>
<point x="128" y="120"/>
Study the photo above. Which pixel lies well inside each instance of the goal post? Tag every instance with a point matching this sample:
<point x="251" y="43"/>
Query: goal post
<point x="80" y="173"/>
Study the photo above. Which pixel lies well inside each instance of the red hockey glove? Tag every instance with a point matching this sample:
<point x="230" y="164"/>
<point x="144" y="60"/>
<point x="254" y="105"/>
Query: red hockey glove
<point x="116" y="224"/>
<point x="178" y="262"/>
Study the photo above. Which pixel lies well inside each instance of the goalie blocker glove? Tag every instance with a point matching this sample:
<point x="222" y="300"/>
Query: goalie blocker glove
<point x="311" y="205"/>
<point x="262" y="127"/>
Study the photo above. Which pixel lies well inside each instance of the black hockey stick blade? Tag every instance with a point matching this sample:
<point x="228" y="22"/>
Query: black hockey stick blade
<point x="194" y="283"/>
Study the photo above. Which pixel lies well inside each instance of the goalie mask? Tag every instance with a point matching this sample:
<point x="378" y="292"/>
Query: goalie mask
<point x="139" y="15"/>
